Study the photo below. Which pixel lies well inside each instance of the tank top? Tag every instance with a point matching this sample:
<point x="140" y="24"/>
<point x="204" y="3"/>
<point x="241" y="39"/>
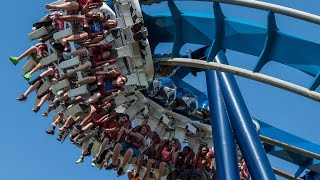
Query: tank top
<point x="108" y="84"/>
<point x="95" y="26"/>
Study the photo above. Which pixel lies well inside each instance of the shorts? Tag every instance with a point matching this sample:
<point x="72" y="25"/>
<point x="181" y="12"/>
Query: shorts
<point x="77" y="46"/>
<point x="41" y="83"/>
<point x="168" y="169"/>
<point x="125" y="146"/>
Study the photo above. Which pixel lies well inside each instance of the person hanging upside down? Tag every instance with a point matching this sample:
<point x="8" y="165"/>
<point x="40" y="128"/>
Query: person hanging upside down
<point x="108" y="83"/>
<point x="150" y="152"/>
<point x="201" y="166"/>
<point x="183" y="162"/>
<point x="37" y="52"/>
<point x="95" y="27"/>
<point x="165" y="158"/>
<point x="134" y="140"/>
<point x="99" y="56"/>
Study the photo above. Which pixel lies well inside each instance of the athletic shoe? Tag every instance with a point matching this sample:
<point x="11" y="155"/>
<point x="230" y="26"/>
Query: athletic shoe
<point x="80" y="160"/>
<point x="27" y="76"/>
<point x="120" y="172"/>
<point x="51" y="132"/>
<point x="36" y="109"/>
<point x="111" y="166"/>
<point x="45" y="114"/>
<point x="14" y="60"/>
<point x="59" y="138"/>
<point x="22" y="98"/>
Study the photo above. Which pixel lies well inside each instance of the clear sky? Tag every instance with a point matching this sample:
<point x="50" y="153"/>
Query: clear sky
<point x="28" y="153"/>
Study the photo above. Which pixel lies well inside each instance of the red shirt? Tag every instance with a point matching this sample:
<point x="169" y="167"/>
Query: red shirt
<point x="82" y="3"/>
<point x="111" y="128"/>
<point x="201" y="162"/>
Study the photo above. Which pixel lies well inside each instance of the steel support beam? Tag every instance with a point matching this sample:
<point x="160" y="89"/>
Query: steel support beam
<point x="223" y="139"/>
<point x="242" y="126"/>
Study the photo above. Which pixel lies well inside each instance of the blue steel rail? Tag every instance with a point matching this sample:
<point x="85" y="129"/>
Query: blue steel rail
<point x="267" y="43"/>
<point x="277" y="142"/>
<point x="290" y="148"/>
<point x="239" y="36"/>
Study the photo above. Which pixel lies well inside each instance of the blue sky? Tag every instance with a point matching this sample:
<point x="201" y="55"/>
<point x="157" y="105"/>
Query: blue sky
<point x="28" y="153"/>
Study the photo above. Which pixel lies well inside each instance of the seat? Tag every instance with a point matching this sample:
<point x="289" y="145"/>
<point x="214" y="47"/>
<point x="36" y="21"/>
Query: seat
<point x="124" y="51"/>
<point x="61" y="85"/>
<point x="70" y="63"/>
<point x="49" y="59"/>
<point x="78" y="91"/>
<point x="62" y="34"/>
<point x="37" y="33"/>
<point x="31" y="63"/>
<point x="73" y="111"/>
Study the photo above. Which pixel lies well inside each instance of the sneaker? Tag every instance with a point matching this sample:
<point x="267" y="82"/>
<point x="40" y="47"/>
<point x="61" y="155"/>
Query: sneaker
<point x="36" y="109"/>
<point x="51" y="132"/>
<point x="45" y="114"/>
<point x="80" y="160"/>
<point x="27" y="76"/>
<point x="22" y="98"/>
<point x="59" y="138"/>
<point x="120" y="172"/>
<point x="14" y="60"/>
<point x="111" y="166"/>
<point x="94" y="161"/>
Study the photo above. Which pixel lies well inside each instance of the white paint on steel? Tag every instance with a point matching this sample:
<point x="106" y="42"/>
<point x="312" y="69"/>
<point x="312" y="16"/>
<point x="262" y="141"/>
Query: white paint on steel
<point x="195" y="63"/>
